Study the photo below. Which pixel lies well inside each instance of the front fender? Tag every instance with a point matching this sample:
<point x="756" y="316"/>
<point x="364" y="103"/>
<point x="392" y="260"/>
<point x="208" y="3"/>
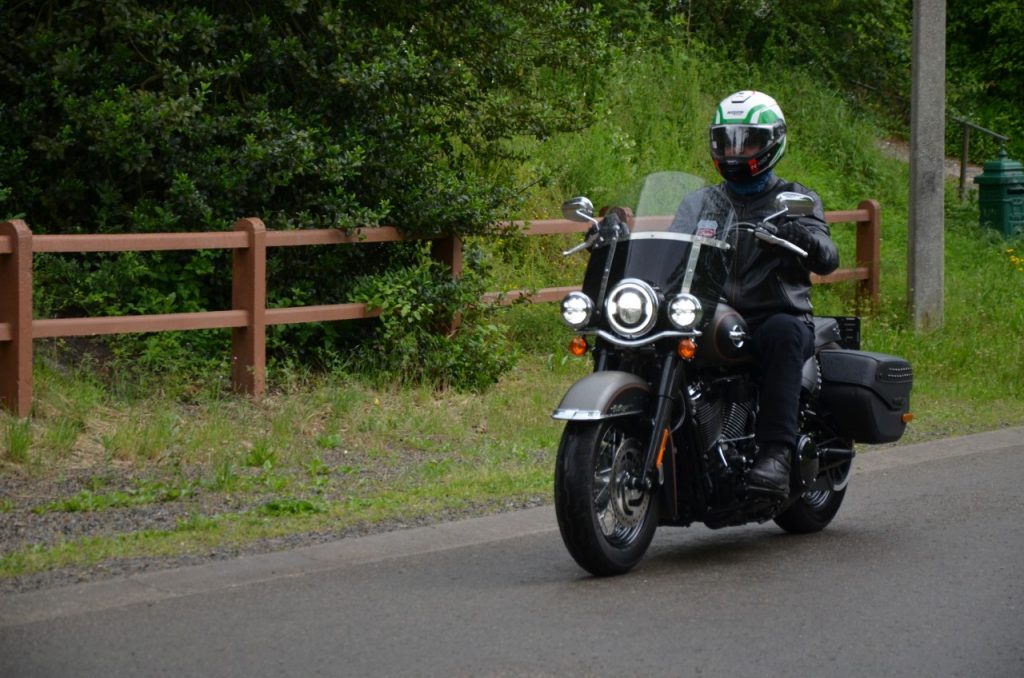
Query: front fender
<point x="604" y="395"/>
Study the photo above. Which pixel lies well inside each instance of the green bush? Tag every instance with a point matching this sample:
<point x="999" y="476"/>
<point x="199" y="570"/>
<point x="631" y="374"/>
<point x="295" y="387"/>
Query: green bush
<point x="130" y="116"/>
<point x="125" y="115"/>
<point x="434" y="327"/>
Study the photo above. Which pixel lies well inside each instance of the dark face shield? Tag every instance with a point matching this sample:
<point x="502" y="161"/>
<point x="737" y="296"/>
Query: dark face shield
<point x="740" y="141"/>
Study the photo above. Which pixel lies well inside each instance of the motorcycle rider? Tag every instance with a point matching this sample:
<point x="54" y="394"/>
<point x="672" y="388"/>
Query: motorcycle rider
<point x="768" y="285"/>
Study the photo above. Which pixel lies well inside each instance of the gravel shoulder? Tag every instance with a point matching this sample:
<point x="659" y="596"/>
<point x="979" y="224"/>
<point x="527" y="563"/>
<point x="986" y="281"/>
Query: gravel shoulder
<point x="29" y="520"/>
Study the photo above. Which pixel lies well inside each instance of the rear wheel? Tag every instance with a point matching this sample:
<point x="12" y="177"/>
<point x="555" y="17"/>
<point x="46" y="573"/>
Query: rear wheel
<point x="815" y="509"/>
<point x="605" y="521"/>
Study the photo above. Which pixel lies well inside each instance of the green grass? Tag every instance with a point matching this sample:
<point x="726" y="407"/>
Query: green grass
<point x="17" y="441"/>
<point x="143" y="493"/>
<point x="332" y="452"/>
<point x="327" y="455"/>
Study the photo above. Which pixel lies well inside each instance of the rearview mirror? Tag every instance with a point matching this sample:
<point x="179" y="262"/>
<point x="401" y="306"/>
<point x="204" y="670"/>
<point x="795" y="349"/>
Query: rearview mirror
<point x="578" y="209"/>
<point x="794" y="204"/>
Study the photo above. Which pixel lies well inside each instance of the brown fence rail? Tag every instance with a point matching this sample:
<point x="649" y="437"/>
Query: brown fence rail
<point x="249" y="316"/>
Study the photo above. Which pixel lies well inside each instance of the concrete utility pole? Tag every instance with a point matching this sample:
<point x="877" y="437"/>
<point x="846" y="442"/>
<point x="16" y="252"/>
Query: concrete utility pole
<point x="925" y="266"/>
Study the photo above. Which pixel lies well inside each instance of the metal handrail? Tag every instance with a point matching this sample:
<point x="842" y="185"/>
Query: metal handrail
<point x="965" y="147"/>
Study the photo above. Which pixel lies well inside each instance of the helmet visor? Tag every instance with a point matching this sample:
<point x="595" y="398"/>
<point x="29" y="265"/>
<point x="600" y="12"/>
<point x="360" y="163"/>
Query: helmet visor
<point x="740" y="141"/>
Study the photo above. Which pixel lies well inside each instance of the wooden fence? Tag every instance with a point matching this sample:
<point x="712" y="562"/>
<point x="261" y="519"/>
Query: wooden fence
<point x="249" y="316"/>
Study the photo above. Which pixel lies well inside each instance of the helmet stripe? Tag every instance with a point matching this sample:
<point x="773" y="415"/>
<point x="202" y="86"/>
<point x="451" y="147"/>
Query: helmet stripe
<point x="753" y="113"/>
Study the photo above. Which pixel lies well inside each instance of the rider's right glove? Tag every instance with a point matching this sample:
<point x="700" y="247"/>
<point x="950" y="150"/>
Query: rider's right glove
<point x="610" y="228"/>
<point x="611" y="225"/>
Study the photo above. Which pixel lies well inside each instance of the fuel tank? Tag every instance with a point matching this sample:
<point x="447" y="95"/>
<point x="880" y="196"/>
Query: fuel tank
<point x="725" y="339"/>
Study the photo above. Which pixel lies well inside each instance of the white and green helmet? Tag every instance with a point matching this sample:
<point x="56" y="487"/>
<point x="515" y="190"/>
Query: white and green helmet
<point x="748" y="135"/>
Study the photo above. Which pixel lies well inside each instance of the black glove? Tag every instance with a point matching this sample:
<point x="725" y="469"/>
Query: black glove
<point x="610" y="228"/>
<point x="799" y="236"/>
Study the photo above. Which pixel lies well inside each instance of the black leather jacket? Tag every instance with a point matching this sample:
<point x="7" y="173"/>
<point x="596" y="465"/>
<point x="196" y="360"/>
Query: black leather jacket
<point x="766" y="279"/>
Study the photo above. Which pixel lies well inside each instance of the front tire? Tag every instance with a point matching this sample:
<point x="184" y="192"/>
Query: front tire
<point x="605" y="523"/>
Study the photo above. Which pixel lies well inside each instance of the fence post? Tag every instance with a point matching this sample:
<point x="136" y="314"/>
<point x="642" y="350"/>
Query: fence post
<point x="16" y="312"/>
<point x="249" y="293"/>
<point x="448" y="251"/>
<point x="869" y="253"/>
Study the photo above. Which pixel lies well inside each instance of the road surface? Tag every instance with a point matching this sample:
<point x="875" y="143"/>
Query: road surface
<point x="921" y="574"/>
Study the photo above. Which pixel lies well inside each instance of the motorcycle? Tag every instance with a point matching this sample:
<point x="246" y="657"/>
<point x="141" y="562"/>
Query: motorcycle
<point x="661" y="433"/>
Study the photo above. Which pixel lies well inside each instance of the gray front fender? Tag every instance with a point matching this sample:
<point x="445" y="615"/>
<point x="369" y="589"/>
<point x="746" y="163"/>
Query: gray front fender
<point x="603" y="395"/>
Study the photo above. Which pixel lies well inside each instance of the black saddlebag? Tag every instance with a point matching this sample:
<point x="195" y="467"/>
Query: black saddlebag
<point x="865" y="395"/>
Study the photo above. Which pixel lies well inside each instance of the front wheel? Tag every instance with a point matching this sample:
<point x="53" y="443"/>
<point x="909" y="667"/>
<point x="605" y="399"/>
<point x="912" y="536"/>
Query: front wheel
<point x="606" y="523"/>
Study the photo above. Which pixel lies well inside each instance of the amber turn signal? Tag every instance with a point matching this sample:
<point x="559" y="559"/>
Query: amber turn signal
<point x="578" y="347"/>
<point x="907" y="418"/>
<point x="686" y="349"/>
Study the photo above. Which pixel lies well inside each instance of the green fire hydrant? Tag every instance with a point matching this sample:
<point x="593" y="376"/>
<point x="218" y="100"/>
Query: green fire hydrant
<point x="1001" y="195"/>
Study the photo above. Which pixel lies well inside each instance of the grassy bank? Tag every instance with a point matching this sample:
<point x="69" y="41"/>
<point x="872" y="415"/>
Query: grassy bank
<point x="332" y="454"/>
<point x="328" y="455"/>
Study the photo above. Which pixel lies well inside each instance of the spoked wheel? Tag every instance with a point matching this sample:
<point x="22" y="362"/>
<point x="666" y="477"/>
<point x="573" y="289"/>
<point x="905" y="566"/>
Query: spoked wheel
<point x="816" y="508"/>
<point x="606" y="522"/>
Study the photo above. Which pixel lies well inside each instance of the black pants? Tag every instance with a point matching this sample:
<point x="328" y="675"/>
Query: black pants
<point x="781" y="344"/>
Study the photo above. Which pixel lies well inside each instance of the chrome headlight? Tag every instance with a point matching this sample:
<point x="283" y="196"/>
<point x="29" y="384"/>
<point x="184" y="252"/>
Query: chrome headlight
<point x="632" y="308"/>
<point x="684" y="311"/>
<point x="577" y="309"/>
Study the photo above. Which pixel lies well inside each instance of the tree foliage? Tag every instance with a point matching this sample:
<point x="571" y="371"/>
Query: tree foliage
<point x="132" y="116"/>
<point x="145" y="116"/>
<point x="169" y="115"/>
<point x="863" y="48"/>
<point x="984" y="44"/>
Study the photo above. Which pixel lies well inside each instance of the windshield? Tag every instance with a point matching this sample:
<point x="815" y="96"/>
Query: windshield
<point x="678" y="241"/>
<point x="663" y="191"/>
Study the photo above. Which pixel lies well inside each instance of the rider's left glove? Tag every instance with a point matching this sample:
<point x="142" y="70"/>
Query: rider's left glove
<point x="798" y="235"/>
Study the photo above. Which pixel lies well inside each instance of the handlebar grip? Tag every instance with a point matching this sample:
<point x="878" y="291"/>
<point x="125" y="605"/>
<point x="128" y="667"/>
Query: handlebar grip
<point x="784" y="244"/>
<point x="582" y="246"/>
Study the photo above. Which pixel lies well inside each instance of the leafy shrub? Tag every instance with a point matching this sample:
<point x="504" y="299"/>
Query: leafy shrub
<point x="433" y="328"/>
<point x="130" y="116"/>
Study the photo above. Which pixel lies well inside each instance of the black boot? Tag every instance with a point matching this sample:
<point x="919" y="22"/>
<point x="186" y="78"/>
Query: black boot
<point x="770" y="473"/>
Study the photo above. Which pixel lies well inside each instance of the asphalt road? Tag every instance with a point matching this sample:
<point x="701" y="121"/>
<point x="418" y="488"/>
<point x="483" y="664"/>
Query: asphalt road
<point x="919" y="575"/>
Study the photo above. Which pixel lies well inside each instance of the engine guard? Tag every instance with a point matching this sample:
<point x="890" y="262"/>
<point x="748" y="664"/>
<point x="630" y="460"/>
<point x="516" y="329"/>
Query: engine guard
<point x="604" y="395"/>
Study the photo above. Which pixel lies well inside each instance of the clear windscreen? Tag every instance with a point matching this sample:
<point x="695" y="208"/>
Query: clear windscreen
<point x="679" y="241"/>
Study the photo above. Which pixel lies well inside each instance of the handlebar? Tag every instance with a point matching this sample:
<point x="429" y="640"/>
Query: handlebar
<point x="763" y="235"/>
<point x="759" y="233"/>
<point x="767" y="237"/>
<point x="582" y="246"/>
<point x="609" y="229"/>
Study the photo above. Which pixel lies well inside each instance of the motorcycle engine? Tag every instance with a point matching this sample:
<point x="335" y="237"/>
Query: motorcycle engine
<point x="723" y="411"/>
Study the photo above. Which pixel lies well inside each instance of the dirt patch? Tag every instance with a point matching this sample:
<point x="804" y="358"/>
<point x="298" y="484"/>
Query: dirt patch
<point x="900" y="149"/>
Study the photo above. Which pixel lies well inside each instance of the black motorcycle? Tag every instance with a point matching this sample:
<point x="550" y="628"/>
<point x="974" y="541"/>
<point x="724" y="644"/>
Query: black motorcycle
<point x="662" y="431"/>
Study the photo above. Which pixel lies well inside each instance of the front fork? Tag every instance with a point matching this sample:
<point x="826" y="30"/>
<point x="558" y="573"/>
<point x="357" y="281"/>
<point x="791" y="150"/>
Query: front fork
<point x="664" y="405"/>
